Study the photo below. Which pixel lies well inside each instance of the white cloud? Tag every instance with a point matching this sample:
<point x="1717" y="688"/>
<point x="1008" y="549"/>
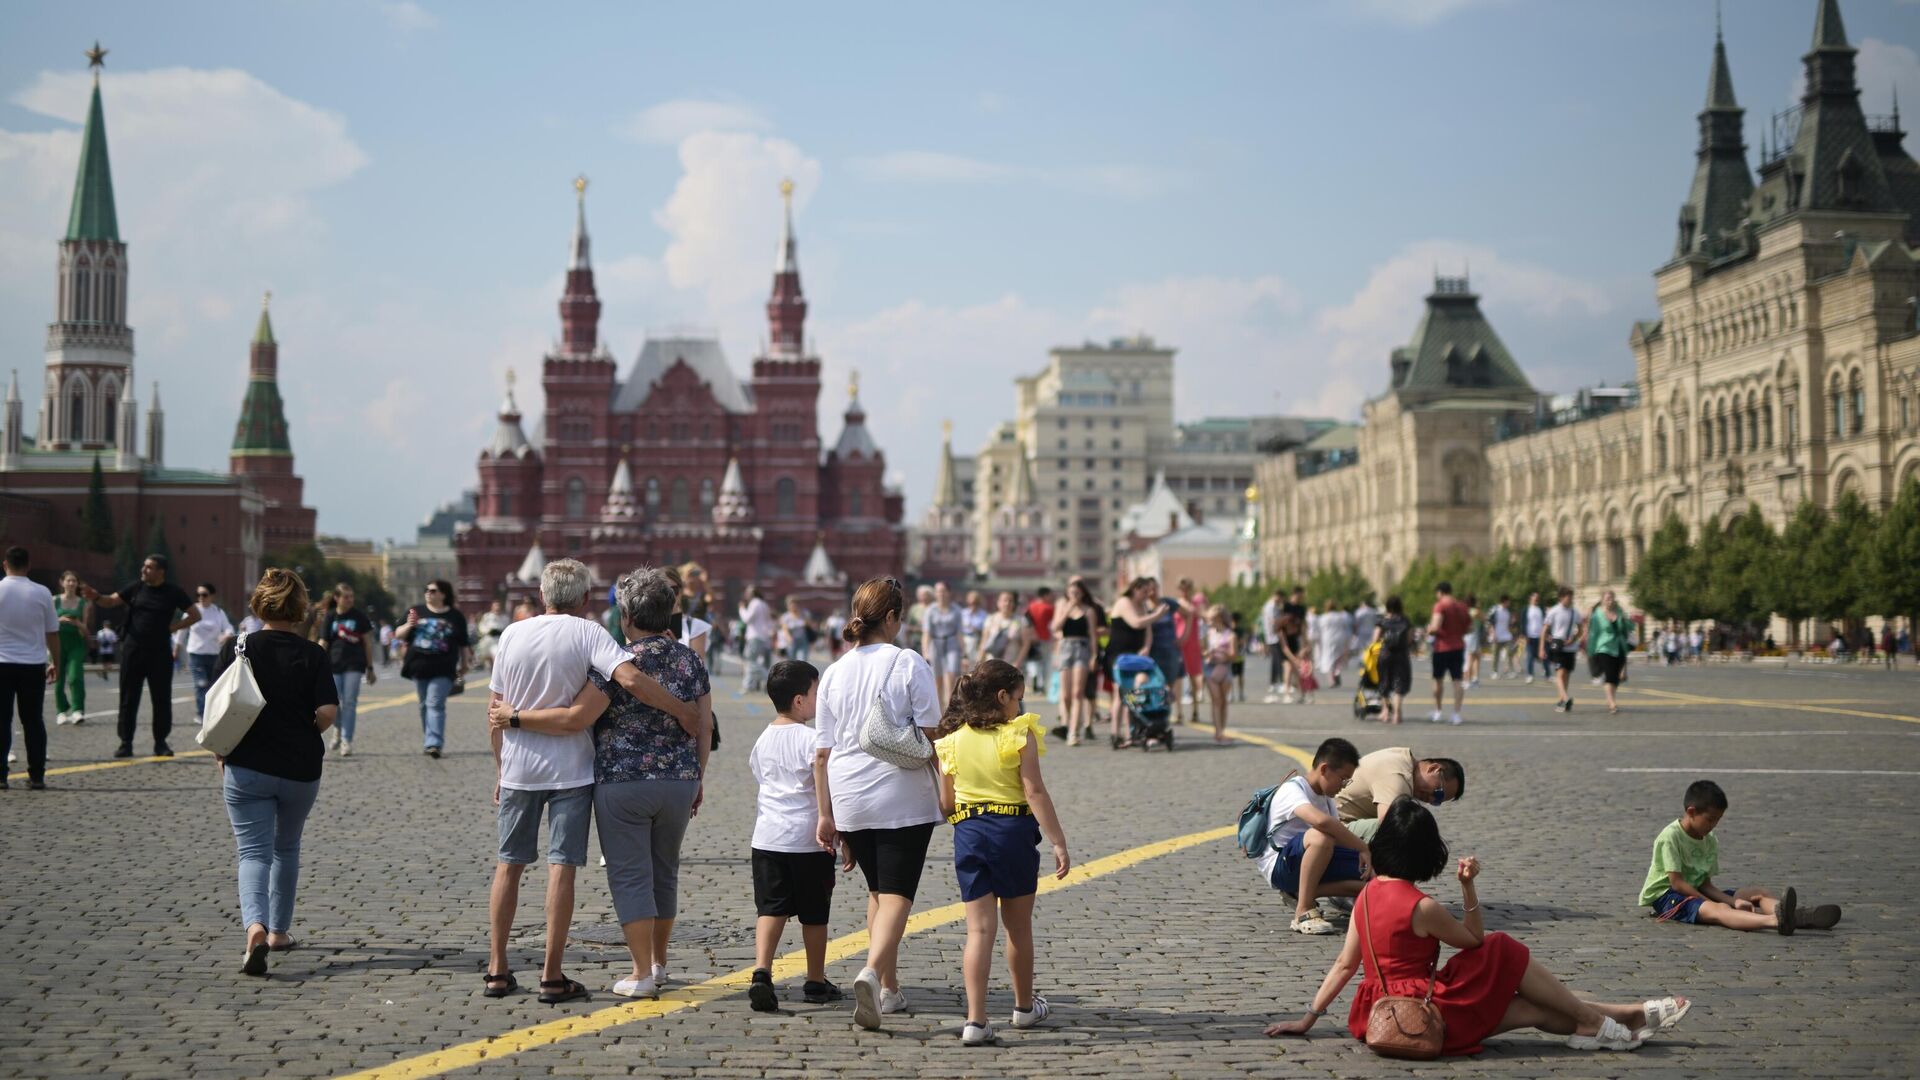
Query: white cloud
<point x="723" y="218"/>
<point x="1417" y="12"/>
<point x="938" y="167"/>
<point x="672" y="121"/>
<point x="407" y="16"/>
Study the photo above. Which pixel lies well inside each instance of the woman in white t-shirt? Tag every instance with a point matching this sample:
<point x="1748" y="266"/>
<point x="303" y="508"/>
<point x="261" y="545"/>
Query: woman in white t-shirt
<point x="881" y="814"/>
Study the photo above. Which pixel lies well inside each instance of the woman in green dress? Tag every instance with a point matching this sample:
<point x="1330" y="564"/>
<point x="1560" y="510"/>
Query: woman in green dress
<point x="1609" y="636"/>
<point x="70" y="684"/>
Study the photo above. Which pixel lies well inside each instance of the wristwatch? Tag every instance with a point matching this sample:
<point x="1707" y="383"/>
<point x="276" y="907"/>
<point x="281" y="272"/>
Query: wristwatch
<point x="514" y="720"/>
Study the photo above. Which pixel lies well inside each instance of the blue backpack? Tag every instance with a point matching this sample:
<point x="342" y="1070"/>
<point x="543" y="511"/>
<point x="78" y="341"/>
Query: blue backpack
<point x="1256" y="821"/>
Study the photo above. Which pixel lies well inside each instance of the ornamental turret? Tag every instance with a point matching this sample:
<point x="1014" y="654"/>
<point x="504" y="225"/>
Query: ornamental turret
<point x="1717" y="202"/>
<point x="787" y="307"/>
<point x="580" y="304"/>
<point x="262" y="451"/>
<point x="732" y="508"/>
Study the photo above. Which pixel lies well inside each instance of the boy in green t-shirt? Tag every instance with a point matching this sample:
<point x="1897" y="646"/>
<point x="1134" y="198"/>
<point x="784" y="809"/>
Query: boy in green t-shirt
<point x="1680" y="884"/>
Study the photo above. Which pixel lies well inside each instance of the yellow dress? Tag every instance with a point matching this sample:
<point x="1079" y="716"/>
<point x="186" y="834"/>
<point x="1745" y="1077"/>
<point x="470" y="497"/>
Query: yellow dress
<point x="985" y="765"/>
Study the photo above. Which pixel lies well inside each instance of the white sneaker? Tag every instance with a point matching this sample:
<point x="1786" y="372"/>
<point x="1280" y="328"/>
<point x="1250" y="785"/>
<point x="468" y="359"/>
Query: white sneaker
<point x="1271" y="698"/>
<point x="1436" y="717"/>
<point x="977" y="1035"/>
<point x="892" y="1001"/>
<point x="346" y="747"/>
<point x="1454" y="720"/>
<point x="636" y="988"/>
<point x="1529" y="680"/>
<point x="1026" y="1018"/>
<point x="59" y="718"/>
<point x="333" y="737"/>
<point x="660" y="976"/>
<point x="866" y="999"/>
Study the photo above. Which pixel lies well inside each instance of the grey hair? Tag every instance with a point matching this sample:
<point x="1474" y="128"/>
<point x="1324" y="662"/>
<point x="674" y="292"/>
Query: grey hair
<point x="563" y="584"/>
<point x="647" y="597"/>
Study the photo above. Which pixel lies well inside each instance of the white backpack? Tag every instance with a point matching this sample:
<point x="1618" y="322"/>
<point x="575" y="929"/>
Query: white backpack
<point x="233" y="703"/>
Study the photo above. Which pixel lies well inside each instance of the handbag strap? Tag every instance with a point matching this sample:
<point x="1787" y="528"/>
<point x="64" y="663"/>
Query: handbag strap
<point x="1366" y="932"/>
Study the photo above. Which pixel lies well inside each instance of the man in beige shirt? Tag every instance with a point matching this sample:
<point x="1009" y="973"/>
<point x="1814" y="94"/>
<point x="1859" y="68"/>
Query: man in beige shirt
<point x="1385" y="775"/>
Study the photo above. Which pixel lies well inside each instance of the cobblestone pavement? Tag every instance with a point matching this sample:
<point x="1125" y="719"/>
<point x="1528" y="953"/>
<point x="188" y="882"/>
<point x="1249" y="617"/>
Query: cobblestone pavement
<point x="119" y="946"/>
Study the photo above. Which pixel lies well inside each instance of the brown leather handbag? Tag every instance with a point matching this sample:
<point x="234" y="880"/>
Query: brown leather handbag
<point x="1402" y="1027"/>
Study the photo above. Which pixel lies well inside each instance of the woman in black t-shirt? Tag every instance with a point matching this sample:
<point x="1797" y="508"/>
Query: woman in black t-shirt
<point x="438" y="653"/>
<point x="272" y="777"/>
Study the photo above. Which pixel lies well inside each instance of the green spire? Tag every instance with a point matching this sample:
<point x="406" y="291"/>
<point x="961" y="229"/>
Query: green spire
<point x="93" y="217"/>
<point x="262" y="430"/>
<point x="263" y="334"/>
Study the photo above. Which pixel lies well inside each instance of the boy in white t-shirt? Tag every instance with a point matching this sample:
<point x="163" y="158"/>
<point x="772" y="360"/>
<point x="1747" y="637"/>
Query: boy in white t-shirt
<point x="1309" y="853"/>
<point x="792" y="875"/>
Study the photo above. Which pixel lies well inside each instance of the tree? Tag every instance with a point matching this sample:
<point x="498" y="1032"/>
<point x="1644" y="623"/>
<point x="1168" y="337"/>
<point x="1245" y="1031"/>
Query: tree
<point x="1510" y="574"/>
<point x="320" y="574"/>
<point x="126" y="559"/>
<point x="96" y="518"/>
<point x="1344" y="588"/>
<point x="1423" y="576"/>
<point x="1792" y="592"/>
<point x="1839" y="565"/>
<point x="1895" y="562"/>
<point x="1738" y="566"/>
<point x="1658" y="582"/>
<point x="157" y="545"/>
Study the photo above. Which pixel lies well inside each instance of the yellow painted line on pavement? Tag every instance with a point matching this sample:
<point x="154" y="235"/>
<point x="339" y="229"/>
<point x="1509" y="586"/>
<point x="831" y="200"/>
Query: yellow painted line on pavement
<point x="121" y="763"/>
<point x="1304" y="757"/>
<point x="786" y="967"/>
<point x="1789" y="706"/>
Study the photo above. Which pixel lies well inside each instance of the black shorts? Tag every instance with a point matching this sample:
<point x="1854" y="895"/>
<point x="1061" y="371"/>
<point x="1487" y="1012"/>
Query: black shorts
<point x="1449" y="663"/>
<point x="1564" y="659"/>
<point x="793" y="883"/>
<point x="1611" y="667"/>
<point x="892" y="859"/>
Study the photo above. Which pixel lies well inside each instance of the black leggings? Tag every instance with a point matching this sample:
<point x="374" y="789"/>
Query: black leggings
<point x="892" y="859"/>
<point x="156" y="675"/>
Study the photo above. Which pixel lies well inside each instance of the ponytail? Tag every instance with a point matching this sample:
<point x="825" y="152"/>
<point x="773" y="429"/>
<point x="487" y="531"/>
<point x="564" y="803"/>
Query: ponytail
<point x="976" y="698"/>
<point x="872" y="603"/>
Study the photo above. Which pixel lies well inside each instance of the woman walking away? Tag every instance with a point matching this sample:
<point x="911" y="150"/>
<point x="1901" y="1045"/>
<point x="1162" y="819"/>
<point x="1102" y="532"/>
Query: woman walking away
<point x="882" y="814"/>
<point x="1491" y="985"/>
<point x="1395" y="635"/>
<point x="940" y="631"/>
<point x="991" y="790"/>
<point x="70" y="682"/>
<point x="647" y="771"/>
<point x="272" y="776"/>
<point x="438" y="652"/>
<point x="1609" y="636"/>
<point x="1129" y="630"/>
<point x="1221" y="643"/>
<point x="1074" y="622"/>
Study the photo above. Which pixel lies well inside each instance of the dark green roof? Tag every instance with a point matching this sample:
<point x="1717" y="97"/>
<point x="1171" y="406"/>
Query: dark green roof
<point x="92" y="217"/>
<point x="263" y="334"/>
<point x="1722" y="185"/>
<point x="1455" y="348"/>
<point x="262" y="429"/>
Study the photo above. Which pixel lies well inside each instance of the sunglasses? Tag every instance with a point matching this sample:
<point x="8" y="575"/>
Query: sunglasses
<point x="202" y="594"/>
<point x="435" y="592"/>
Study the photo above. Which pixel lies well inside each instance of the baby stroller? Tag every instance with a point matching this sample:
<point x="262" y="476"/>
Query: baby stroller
<point x="1367" y="701"/>
<point x="1148" y="702"/>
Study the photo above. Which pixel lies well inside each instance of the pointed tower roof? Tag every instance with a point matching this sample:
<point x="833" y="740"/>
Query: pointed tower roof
<point x="732" y="506"/>
<point x="1160" y="513"/>
<point x="262" y="428"/>
<point x="579" y="301"/>
<point x="1022" y="491"/>
<point x="13" y="386"/>
<point x="854" y="438"/>
<point x="1720" y="82"/>
<point x="1828" y="31"/>
<point x="92" y="216"/>
<point x="787" y="259"/>
<point x="1454" y="348"/>
<point x="155" y="406"/>
<point x="580" y="259"/>
<point x="263" y="332"/>
<point x="1722" y="185"/>
<point x="820" y="569"/>
<point x="508" y="438"/>
<point x="620" y="505"/>
<point x="1832" y="162"/>
<point x="946" y="485"/>
<point x="530" y="567"/>
<point x="787" y="306"/>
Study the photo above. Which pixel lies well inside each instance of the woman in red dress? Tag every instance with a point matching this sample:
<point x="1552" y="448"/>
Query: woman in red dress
<point x="1491" y="985"/>
<point x="1190" y="624"/>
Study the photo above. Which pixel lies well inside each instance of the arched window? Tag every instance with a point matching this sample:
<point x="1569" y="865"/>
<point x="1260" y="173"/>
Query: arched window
<point x="1720" y="419"/>
<point x="1839" y="408"/>
<point x="786" y="498"/>
<point x="82" y="289"/>
<point x="1660" y="444"/>
<point x="706" y="494"/>
<point x="1857" y="405"/>
<point x="504" y="500"/>
<point x="576" y="497"/>
<point x="1706" y="437"/>
<point x="653" y="495"/>
<point x="1766" y="421"/>
<point x="109" y="293"/>
<point x="110" y="410"/>
<point x="856" y="504"/>
<point x="76" y="415"/>
<point x="680" y="499"/>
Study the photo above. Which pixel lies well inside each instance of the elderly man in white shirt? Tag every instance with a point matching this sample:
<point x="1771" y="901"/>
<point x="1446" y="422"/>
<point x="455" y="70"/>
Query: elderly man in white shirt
<point x="542" y="663"/>
<point x="202" y="642"/>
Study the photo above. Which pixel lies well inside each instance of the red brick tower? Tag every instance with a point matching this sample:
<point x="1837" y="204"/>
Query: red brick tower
<point x="578" y="378"/>
<point x="785" y="467"/>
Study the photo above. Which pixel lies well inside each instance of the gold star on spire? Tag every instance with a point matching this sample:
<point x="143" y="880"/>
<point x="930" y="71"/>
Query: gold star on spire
<point x="946" y="430"/>
<point x="853" y="384"/>
<point x="786" y="189"/>
<point x="509" y="378"/>
<point x="96" y="56"/>
<point x="580" y="185"/>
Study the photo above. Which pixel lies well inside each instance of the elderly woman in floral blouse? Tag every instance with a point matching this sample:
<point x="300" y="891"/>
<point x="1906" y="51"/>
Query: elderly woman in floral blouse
<point x="647" y="768"/>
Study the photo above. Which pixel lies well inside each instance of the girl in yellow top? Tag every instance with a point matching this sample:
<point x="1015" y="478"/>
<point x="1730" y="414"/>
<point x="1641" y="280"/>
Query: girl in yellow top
<point x="991" y="790"/>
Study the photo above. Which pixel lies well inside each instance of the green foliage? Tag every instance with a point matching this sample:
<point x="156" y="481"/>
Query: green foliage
<point x="321" y="574"/>
<point x="157" y="545"/>
<point x="1793" y="592"/>
<point x="1739" y="565"/>
<point x="96" y="517"/>
<point x="126" y="559"/>
<point x="1242" y="600"/>
<point x="1894" y="559"/>
<point x="1839" y="565"/>
<point x="1662" y="584"/>
<point x="1506" y="573"/>
<point x="1344" y="587"/>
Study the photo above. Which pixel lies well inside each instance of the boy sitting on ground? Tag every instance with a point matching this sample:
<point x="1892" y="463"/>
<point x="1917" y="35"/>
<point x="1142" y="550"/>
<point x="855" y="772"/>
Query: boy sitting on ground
<point x="1680" y="884"/>
<point x="1309" y="853"/>
<point x="792" y="876"/>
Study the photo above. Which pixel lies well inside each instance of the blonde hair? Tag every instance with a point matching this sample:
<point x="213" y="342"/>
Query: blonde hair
<point x="280" y="597"/>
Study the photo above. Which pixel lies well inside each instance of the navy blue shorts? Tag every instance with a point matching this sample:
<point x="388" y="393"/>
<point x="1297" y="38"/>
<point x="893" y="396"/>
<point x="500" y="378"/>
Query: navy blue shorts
<point x="1675" y="906"/>
<point x="1344" y="866"/>
<point x="997" y="855"/>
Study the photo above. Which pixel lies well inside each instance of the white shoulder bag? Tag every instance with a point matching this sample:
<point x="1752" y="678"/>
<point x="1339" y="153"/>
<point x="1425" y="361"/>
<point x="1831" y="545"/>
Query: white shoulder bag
<point x="881" y="737"/>
<point x="234" y="701"/>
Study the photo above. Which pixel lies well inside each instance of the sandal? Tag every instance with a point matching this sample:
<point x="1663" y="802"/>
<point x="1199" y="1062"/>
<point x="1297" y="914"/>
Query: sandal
<point x="556" y="991"/>
<point x="288" y="947"/>
<point x="499" y="986"/>
<point x="256" y="961"/>
<point x="1663" y="1013"/>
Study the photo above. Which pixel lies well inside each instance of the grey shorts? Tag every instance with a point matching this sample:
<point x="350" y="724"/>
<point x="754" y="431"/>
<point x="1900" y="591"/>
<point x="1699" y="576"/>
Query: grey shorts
<point x="569" y="812"/>
<point x="642" y="823"/>
<point x="1075" y="652"/>
<point x="943" y="655"/>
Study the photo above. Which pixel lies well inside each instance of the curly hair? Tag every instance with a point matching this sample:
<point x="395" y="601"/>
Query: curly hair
<point x="280" y="597"/>
<point x="976" y="698"/>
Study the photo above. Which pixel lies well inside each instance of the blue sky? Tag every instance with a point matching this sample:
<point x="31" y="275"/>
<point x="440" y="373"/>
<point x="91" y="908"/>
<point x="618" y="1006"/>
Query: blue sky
<point x="1267" y="187"/>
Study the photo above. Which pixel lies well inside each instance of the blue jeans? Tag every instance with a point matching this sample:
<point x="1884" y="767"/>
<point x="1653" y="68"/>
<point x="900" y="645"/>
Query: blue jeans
<point x="346" y="684"/>
<point x="202" y="665"/>
<point x="433" y="708"/>
<point x="1533" y="655"/>
<point x="268" y="814"/>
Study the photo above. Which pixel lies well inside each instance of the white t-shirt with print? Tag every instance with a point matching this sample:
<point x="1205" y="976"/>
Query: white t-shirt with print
<point x="1284" y="821"/>
<point x="541" y="663"/>
<point x="869" y="793"/>
<point x="782" y="764"/>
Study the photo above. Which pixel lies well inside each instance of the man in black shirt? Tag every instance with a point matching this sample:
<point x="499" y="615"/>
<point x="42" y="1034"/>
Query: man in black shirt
<point x="146" y="654"/>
